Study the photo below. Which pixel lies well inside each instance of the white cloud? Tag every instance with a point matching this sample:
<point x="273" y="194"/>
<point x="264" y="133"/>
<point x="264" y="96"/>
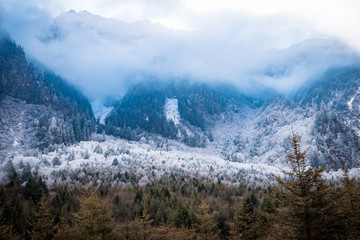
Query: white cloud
<point x="249" y="43"/>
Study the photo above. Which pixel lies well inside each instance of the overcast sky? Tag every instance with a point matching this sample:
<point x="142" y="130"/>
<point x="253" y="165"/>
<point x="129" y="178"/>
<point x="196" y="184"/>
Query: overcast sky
<point x="230" y="40"/>
<point x="337" y="17"/>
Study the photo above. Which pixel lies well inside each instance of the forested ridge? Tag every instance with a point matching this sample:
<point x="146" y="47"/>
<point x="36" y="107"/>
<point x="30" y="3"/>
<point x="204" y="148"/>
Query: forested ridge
<point x="142" y="110"/>
<point x="302" y="205"/>
<point x="59" y="112"/>
<point x="39" y="109"/>
<point x="159" y="134"/>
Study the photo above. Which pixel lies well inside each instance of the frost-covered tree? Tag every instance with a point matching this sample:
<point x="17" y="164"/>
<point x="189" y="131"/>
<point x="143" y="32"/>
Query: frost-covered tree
<point x="26" y="173"/>
<point x="10" y="170"/>
<point x="56" y="161"/>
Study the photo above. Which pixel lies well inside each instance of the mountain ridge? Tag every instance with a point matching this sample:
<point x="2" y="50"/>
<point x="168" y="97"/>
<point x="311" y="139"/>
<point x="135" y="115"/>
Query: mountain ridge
<point x="257" y="126"/>
<point x="59" y="113"/>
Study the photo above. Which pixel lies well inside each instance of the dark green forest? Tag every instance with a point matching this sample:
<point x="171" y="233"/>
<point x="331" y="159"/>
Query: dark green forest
<point x="301" y="205"/>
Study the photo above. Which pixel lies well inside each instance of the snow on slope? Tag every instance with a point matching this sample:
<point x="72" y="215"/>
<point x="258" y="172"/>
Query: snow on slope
<point x="261" y="135"/>
<point x="171" y="110"/>
<point x="100" y="111"/>
<point x="350" y="102"/>
<point x="146" y="159"/>
<point x="94" y="161"/>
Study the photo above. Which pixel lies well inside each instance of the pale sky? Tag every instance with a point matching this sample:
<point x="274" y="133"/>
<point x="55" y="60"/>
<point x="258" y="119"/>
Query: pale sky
<point x="337" y="17"/>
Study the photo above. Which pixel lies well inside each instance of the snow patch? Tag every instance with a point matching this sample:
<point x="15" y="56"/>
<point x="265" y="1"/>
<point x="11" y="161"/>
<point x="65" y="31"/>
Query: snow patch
<point x="52" y="123"/>
<point x="171" y="110"/>
<point x="15" y="143"/>
<point x="100" y="111"/>
<point x="146" y="160"/>
<point x="350" y="102"/>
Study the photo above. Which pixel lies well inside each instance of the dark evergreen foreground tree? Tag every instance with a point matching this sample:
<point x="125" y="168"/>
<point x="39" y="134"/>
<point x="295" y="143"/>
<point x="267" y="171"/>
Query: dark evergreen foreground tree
<point x="350" y="205"/>
<point x="42" y="225"/>
<point x="308" y="204"/>
<point x="183" y="207"/>
<point x="93" y="220"/>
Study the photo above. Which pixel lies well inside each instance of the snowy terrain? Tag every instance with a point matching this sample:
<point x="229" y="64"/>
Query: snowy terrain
<point x="110" y="159"/>
<point x="147" y="159"/>
<point x="100" y="111"/>
<point x="171" y="110"/>
<point x="249" y="145"/>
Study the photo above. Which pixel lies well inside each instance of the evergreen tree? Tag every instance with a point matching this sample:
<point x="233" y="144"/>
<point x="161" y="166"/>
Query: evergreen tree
<point x="206" y="226"/>
<point x="268" y="205"/>
<point x="35" y="188"/>
<point x="93" y="220"/>
<point x="10" y="170"/>
<point x="26" y="173"/>
<point x="173" y="233"/>
<point x="308" y="202"/>
<point x="183" y="218"/>
<point x="62" y="229"/>
<point x="350" y="205"/>
<point x="140" y="228"/>
<point x="7" y="232"/>
<point x="42" y="226"/>
<point x="250" y="223"/>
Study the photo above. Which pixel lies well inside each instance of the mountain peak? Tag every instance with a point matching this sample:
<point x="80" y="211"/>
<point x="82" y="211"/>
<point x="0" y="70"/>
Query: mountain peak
<point x="71" y="11"/>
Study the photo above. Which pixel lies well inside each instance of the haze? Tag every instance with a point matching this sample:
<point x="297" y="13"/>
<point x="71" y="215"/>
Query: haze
<point x="104" y="47"/>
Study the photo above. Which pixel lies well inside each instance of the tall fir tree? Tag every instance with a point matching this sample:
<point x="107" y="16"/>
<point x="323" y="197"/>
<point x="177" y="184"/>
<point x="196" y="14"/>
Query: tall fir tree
<point x="42" y="226"/>
<point x="206" y="226"/>
<point x="250" y="223"/>
<point x="350" y="205"/>
<point x="139" y="228"/>
<point x="308" y="204"/>
<point x="93" y="220"/>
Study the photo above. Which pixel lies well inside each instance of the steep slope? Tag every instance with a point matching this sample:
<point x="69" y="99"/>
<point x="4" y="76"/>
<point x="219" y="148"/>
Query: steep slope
<point x="260" y="135"/>
<point x="338" y="89"/>
<point x="335" y="98"/>
<point x="178" y="110"/>
<point x="219" y="118"/>
<point x="38" y="108"/>
<point x="325" y="113"/>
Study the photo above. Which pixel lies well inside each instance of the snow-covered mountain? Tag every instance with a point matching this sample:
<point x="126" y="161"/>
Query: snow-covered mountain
<point x="101" y="112"/>
<point x="105" y="56"/>
<point x="177" y="110"/>
<point x="164" y="125"/>
<point x="245" y="128"/>
<point x="38" y="108"/>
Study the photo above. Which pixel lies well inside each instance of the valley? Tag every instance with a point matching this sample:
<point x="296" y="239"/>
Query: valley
<point x="113" y="128"/>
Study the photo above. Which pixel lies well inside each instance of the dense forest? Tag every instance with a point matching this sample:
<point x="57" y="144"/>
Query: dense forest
<point x="302" y="205"/>
<point x="51" y="99"/>
<point x="142" y="109"/>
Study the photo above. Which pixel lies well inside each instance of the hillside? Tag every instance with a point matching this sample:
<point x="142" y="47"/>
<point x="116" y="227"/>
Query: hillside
<point x="38" y="108"/>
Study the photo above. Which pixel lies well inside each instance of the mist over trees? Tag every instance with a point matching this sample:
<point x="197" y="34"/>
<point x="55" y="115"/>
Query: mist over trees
<point x="142" y="110"/>
<point x="56" y="111"/>
<point x="190" y="129"/>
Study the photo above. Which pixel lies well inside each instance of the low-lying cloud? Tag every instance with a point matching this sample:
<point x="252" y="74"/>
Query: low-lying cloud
<point x="104" y="56"/>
